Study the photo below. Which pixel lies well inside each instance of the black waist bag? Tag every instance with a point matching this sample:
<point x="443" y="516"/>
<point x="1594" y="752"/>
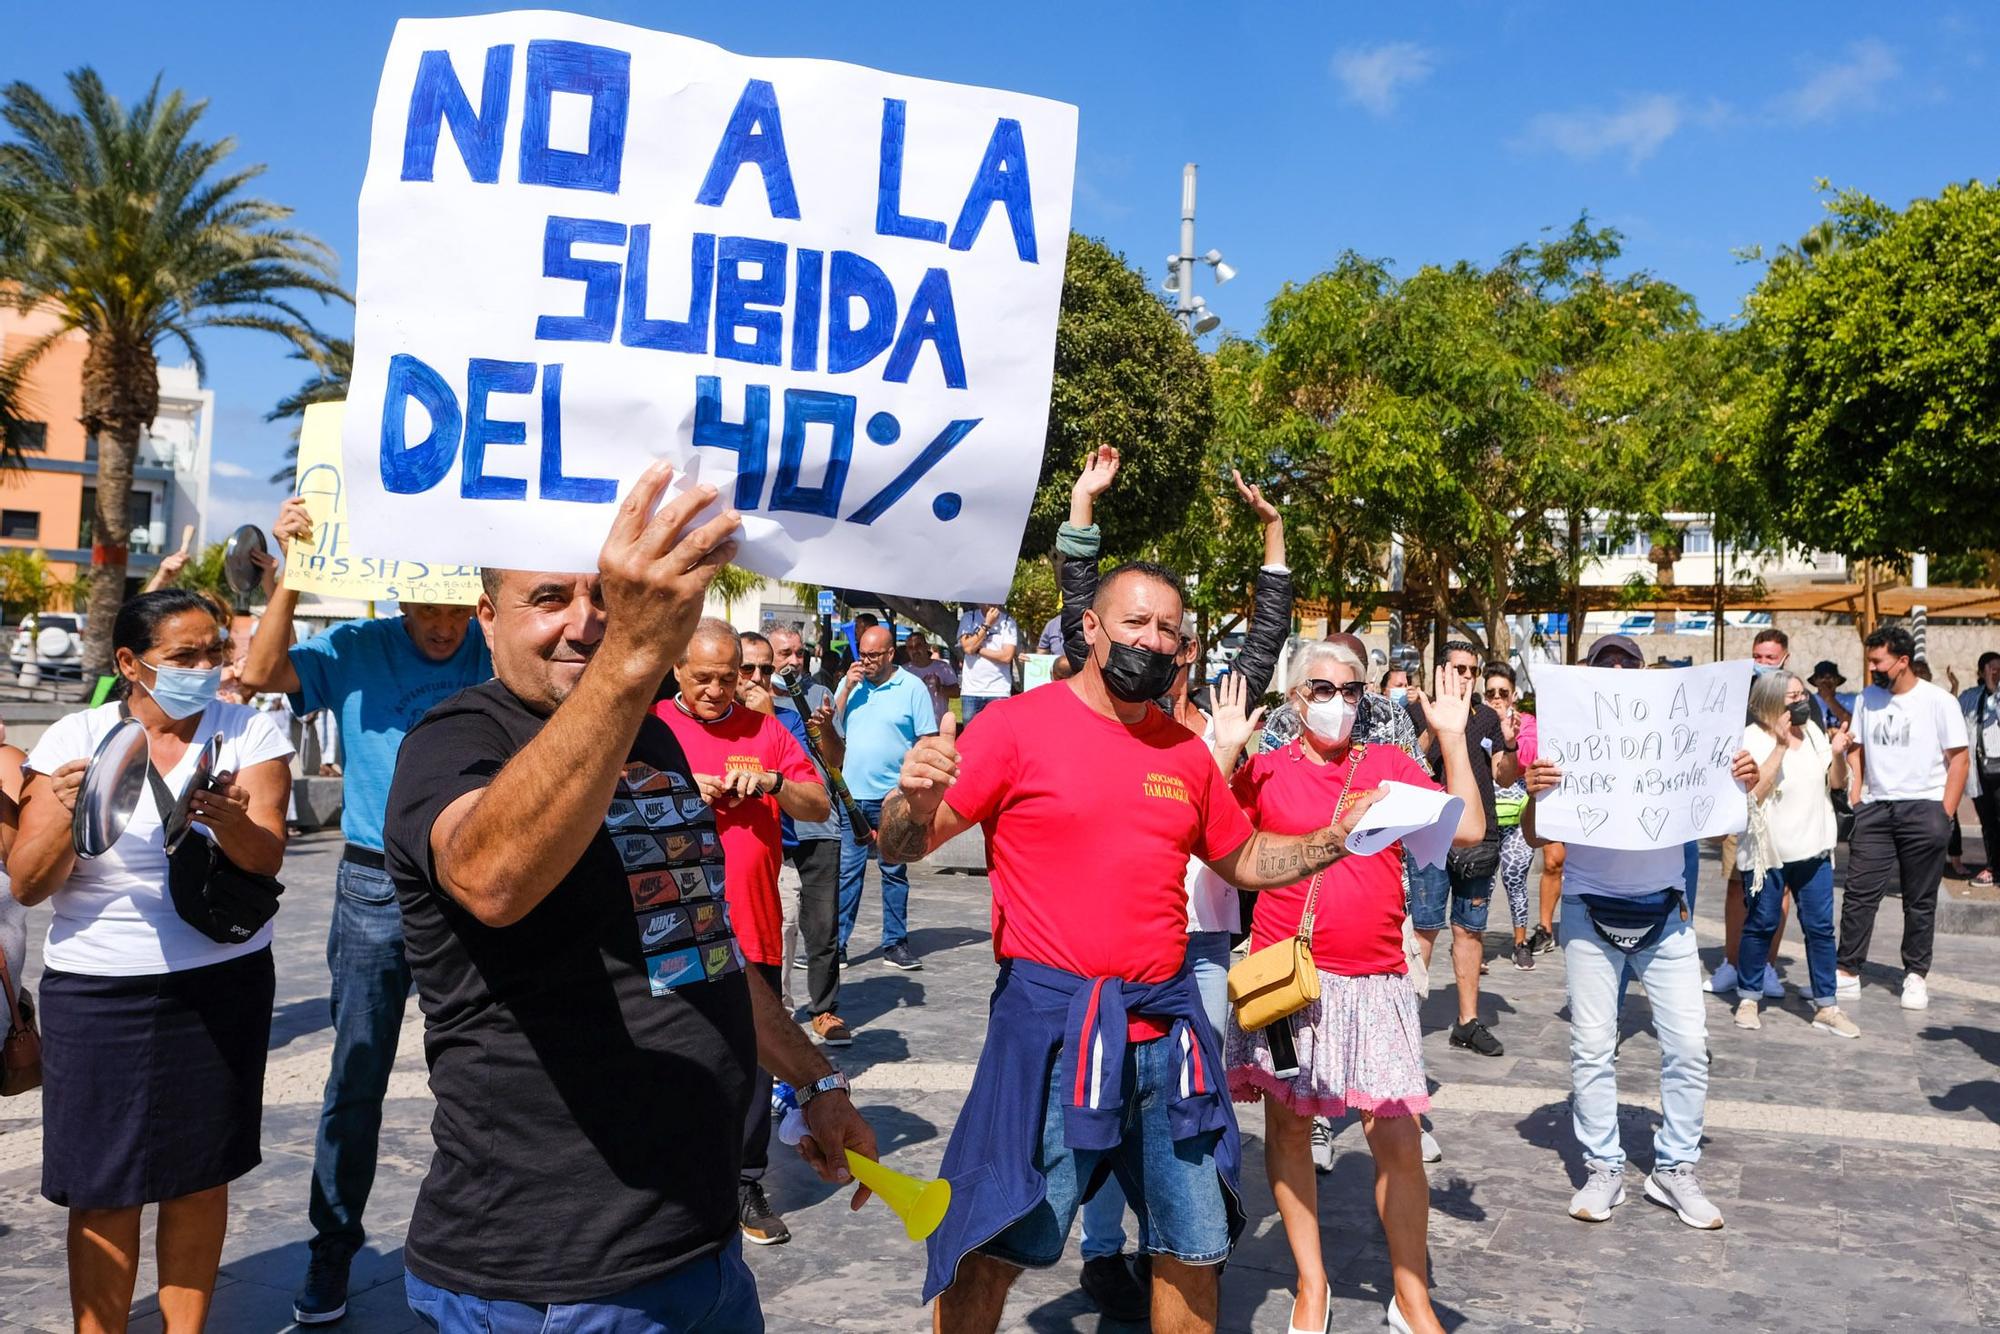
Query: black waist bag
<point x="1630" y="925"/>
<point x="210" y="893"/>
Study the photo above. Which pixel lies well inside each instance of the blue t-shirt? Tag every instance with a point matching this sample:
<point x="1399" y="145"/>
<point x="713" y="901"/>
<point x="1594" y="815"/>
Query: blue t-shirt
<point x="880" y="724"/>
<point x="795" y="830"/>
<point x="379" y="684"/>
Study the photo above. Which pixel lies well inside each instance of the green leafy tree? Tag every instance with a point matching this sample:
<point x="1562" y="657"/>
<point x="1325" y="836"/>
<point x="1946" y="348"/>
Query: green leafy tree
<point x="134" y="232"/>
<point x="1125" y="375"/>
<point x="1879" y="411"/>
<point x="28" y="585"/>
<point x="332" y="362"/>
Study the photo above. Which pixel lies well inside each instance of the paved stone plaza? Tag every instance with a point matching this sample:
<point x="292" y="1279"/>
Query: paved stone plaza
<point x="1857" y="1178"/>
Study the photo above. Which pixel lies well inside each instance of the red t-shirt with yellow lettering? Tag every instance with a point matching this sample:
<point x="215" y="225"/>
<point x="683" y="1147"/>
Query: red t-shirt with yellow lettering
<point x="1089" y="826"/>
<point x="752" y="841"/>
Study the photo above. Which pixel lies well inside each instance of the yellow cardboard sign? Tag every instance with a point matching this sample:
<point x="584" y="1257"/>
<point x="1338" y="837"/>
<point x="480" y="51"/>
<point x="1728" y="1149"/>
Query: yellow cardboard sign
<point x="328" y="567"/>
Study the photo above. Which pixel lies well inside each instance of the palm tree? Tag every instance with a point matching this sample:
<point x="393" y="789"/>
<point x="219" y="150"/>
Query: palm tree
<point x="333" y="364"/>
<point x="129" y="229"/>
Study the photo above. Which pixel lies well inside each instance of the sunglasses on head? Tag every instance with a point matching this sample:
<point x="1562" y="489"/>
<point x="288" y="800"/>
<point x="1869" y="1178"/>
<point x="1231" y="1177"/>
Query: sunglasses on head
<point x="1322" y="692"/>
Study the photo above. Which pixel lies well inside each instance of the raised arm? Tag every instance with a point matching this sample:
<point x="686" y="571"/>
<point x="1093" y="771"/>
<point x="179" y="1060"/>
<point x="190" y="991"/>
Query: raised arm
<point x="1271" y="615"/>
<point x="268" y="665"/>
<point x="1077" y="545"/>
<point x="500" y="850"/>
<point x="1446" y="711"/>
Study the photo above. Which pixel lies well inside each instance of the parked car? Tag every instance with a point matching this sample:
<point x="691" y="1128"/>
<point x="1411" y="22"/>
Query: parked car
<point x="1695" y="623"/>
<point x="53" y="641"/>
<point x="1638" y="623"/>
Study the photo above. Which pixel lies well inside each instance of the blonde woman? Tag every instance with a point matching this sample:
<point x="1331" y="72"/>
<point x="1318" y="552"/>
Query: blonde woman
<point x="1359" y="1047"/>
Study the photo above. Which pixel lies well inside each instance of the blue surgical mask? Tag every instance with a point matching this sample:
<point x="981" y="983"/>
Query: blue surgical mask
<point x="182" y="692"/>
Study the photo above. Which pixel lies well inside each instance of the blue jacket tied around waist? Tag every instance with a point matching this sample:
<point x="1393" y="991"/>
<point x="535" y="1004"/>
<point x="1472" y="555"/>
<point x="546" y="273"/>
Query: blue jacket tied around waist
<point x="1044" y="1023"/>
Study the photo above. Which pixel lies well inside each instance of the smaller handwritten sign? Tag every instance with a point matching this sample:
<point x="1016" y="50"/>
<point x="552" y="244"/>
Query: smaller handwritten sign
<point x="1645" y="755"/>
<point x="328" y="567"/>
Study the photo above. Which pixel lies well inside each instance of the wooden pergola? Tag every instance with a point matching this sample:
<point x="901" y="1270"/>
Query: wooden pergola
<point x="1866" y="603"/>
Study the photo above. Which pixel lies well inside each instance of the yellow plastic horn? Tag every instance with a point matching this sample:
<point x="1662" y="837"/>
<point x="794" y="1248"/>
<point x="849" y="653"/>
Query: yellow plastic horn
<point x="920" y="1204"/>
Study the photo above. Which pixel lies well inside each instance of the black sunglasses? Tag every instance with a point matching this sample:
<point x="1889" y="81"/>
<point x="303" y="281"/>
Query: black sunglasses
<point x="758" y="669"/>
<point x="1322" y="692"/>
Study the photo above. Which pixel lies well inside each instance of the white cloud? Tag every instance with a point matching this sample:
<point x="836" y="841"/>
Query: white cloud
<point x="1847" y="85"/>
<point x="224" y="468"/>
<point x="1636" y="129"/>
<point x="1374" y="75"/>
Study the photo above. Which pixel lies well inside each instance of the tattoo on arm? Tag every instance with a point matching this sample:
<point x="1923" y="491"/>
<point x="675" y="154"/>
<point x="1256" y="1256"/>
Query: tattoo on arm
<point x="901" y="836"/>
<point x="1283" y="858"/>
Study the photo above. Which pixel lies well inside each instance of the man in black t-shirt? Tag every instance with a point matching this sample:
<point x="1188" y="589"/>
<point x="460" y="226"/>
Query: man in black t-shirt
<point x="1462" y="888"/>
<point x="590" y="1028"/>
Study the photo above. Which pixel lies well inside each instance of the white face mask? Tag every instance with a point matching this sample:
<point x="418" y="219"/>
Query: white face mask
<point x="1332" y="721"/>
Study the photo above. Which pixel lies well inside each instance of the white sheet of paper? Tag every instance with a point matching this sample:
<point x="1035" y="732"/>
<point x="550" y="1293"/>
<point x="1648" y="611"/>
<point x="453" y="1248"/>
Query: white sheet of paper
<point x="1645" y="755"/>
<point x="1423" y="818"/>
<point x="585" y="246"/>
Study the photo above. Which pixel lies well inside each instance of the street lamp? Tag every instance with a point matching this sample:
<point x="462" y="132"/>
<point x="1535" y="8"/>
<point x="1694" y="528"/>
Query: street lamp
<point x="1189" y="309"/>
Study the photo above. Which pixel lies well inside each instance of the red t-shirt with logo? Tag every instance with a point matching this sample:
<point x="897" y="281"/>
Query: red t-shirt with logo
<point x="1089" y="826"/>
<point x="752" y="841"/>
<point x="1358" y="917"/>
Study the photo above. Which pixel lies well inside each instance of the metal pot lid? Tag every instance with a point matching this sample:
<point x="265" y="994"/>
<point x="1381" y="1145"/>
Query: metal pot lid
<point x="180" y="819"/>
<point x="112" y="788"/>
<point x="237" y="568"/>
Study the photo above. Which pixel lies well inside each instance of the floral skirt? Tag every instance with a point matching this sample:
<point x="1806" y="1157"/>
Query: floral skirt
<point x="1359" y="1048"/>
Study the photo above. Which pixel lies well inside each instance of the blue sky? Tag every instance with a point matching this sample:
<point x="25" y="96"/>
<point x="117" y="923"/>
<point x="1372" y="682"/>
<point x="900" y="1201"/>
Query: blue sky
<point x="1418" y="133"/>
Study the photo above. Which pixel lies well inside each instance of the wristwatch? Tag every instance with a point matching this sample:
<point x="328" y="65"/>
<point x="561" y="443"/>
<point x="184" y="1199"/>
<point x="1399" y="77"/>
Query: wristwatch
<point x="828" y="1084"/>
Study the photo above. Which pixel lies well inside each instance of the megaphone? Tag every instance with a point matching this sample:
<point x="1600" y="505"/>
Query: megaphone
<point x="920" y="1204"/>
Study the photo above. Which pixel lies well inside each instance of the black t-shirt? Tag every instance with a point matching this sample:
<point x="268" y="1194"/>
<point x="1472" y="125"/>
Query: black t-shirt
<point x="1483" y="741"/>
<point x="592" y="1062"/>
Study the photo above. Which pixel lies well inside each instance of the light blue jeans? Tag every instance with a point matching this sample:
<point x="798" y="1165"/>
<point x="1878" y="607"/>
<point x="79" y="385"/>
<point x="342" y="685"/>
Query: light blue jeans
<point x="1671" y="973"/>
<point x="1104" y="1212"/>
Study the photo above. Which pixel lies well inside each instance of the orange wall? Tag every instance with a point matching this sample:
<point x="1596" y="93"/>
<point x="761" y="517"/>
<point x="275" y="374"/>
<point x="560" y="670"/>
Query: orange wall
<point x="55" y="396"/>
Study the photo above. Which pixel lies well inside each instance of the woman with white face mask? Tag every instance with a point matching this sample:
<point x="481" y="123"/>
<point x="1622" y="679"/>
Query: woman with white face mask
<point x="153" y="1032"/>
<point x="1358" y="1045"/>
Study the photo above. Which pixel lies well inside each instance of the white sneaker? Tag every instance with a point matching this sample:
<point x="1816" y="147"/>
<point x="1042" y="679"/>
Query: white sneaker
<point x="1723" y="980"/>
<point x="1675" y="1188"/>
<point x="1773" y="988"/>
<point x="1845" y="984"/>
<point x="1322" y="1145"/>
<point x="1916" y="992"/>
<point x="1602" y="1191"/>
<point x="1746" y="1013"/>
<point x="1432" y="1153"/>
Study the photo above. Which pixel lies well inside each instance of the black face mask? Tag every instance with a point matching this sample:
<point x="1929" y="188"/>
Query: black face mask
<point x="1138" y="675"/>
<point x="1881" y="679"/>
<point x="1801" y="713"/>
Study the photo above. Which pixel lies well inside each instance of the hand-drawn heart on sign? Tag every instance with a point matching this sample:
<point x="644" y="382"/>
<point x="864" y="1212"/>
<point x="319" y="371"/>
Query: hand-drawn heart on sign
<point x="1700" y="808"/>
<point x="1652" y="819"/>
<point x="1592" y="818"/>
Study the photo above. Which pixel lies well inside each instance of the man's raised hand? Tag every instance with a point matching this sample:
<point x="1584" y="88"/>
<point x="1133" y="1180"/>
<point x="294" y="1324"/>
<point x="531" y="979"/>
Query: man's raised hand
<point x="655" y="571"/>
<point x="930" y="767"/>
<point x="1253" y="496"/>
<point x="1099" y="470"/>
<point x="1233" y="727"/>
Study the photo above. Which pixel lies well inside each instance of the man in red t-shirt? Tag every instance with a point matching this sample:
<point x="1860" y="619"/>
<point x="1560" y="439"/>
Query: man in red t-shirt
<point x="1092" y="800"/>
<point x="748" y="768"/>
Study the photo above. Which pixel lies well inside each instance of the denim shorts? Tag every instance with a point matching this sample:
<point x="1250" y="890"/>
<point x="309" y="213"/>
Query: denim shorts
<point x="1432" y="887"/>
<point x="1175" y="1189"/>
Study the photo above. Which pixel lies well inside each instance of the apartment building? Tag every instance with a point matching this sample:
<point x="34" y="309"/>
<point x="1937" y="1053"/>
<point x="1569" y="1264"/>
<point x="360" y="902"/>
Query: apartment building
<point x="49" y="504"/>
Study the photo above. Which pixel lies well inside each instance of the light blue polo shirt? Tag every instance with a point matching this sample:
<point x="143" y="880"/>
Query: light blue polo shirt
<point x="378" y="683"/>
<point x="880" y="724"/>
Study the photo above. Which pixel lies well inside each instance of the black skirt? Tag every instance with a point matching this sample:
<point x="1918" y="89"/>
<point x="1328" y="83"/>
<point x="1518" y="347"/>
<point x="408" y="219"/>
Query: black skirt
<point x="153" y="1087"/>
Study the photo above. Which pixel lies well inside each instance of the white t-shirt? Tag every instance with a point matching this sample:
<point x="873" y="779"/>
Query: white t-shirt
<point x="1798" y="808"/>
<point x="1212" y="901"/>
<point x="1903" y="739"/>
<point x="1982" y="721"/>
<point x="114" y="916"/>
<point x="1622" y="872"/>
<point x="937" y="677"/>
<point x="985" y="678"/>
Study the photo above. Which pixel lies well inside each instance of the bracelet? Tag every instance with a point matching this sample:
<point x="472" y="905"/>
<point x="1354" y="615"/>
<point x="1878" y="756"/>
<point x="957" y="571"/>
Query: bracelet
<point x="777" y="782"/>
<point x="825" y="1084"/>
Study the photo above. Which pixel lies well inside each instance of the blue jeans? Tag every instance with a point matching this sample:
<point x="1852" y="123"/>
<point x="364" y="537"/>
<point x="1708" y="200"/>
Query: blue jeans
<point x="1670" y="971"/>
<point x="371" y="982"/>
<point x="1436" y="889"/>
<point x="1175" y="1189"/>
<point x="854" y="858"/>
<point x="970" y="705"/>
<point x="713" y="1295"/>
<point x="1104" y="1212"/>
<point x="1811" y="883"/>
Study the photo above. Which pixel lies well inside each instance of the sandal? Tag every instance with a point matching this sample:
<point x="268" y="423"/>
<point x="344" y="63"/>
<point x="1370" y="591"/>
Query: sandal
<point x="1984" y="880"/>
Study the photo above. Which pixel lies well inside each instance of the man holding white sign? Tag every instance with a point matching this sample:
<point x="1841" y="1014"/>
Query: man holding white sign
<point x="585" y="245"/>
<point x="1631" y="766"/>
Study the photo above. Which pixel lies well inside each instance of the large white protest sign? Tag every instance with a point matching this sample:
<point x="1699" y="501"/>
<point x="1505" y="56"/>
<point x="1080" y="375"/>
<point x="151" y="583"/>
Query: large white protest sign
<point x="585" y="246"/>
<point x="1645" y="755"/>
